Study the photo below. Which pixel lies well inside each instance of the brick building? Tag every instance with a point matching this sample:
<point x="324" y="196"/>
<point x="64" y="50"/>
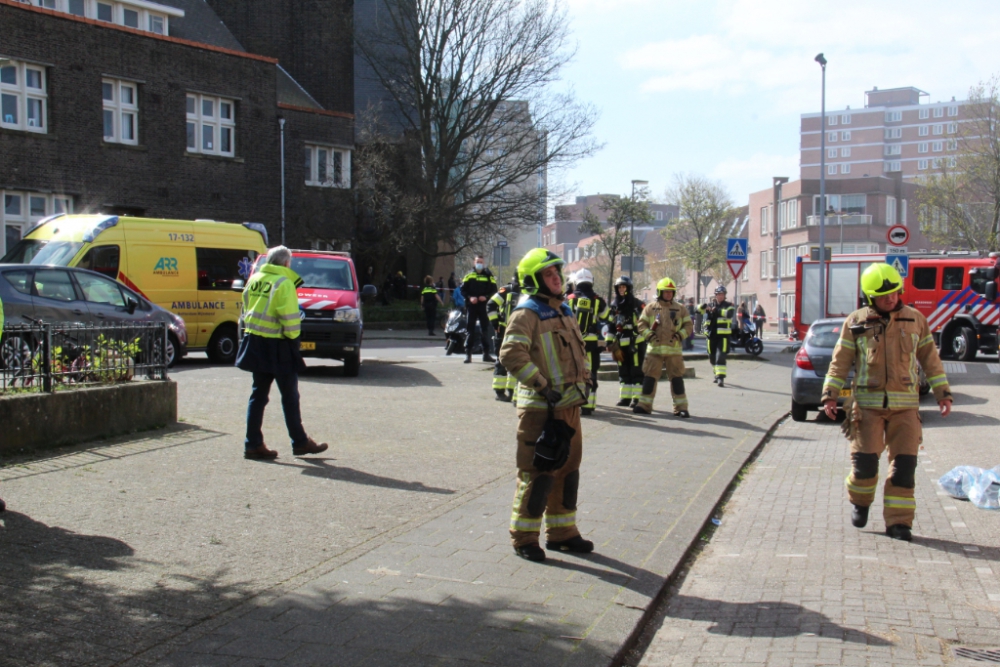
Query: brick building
<point x="895" y="133"/>
<point x="176" y="109"/>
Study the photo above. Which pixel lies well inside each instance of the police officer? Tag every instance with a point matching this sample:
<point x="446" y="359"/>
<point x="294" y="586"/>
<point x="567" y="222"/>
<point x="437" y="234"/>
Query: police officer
<point x="629" y="348"/>
<point x="429" y="299"/>
<point x="477" y="288"/>
<point x="270" y="350"/>
<point x="884" y="342"/>
<point x="544" y="350"/>
<point x="719" y="327"/>
<point x="591" y="312"/>
<point x="499" y="308"/>
<point x="664" y="324"/>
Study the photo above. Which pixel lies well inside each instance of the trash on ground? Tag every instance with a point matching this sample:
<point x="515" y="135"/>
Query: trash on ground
<point x="977" y="485"/>
<point x="717" y="522"/>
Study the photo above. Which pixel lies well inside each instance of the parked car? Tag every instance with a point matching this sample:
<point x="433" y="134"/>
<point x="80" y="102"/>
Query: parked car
<point x="811" y="363"/>
<point x="330" y="301"/>
<point x="53" y="294"/>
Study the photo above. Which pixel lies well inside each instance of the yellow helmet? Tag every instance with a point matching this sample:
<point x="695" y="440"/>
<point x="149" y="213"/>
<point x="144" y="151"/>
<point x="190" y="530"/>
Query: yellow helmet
<point x="530" y="267"/>
<point x="880" y="279"/>
<point x="664" y="284"/>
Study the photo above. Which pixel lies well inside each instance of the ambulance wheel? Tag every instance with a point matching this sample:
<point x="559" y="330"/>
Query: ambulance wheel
<point x="223" y="345"/>
<point x="964" y="344"/>
<point x="352" y="365"/>
<point x="799" y="412"/>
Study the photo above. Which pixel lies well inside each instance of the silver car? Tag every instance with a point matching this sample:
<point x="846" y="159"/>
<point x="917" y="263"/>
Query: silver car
<point x="63" y="294"/>
<point x="811" y="363"/>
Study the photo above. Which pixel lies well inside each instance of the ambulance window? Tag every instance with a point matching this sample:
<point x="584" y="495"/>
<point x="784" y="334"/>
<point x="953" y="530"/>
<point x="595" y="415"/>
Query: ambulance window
<point x="219" y="267"/>
<point x="951" y="278"/>
<point x="103" y="259"/>
<point x="924" y="277"/>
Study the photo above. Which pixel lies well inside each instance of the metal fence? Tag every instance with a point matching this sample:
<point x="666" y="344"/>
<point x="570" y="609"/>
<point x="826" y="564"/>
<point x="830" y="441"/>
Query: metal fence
<point x="49" y="357"/>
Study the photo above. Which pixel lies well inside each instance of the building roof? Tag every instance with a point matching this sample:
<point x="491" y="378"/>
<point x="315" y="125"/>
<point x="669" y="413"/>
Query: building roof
<point x="201" y="24"/>
<point x="292" y="93"/>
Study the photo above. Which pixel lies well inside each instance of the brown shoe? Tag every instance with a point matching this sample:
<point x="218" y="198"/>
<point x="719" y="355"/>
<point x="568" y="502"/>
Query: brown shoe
<point x="261" y="453"/>
<point x="311" y="447"/>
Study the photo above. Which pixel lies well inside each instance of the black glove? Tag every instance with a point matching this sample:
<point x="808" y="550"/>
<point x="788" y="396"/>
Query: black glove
<point x="551" y="395"/>
<point x="552" y="446"/>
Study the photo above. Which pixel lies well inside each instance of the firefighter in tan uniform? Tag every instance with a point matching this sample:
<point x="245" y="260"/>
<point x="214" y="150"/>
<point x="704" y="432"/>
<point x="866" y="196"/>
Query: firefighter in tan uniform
<point x="544" y="350"/>
<point x="887" y="343"/>
<point x="664" y="324"/>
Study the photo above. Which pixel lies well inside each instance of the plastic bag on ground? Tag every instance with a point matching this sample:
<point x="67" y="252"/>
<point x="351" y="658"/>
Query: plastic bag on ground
<point x="980" y="487"/>
<point x="983" y="493"/>
<point x="957" y="481"/>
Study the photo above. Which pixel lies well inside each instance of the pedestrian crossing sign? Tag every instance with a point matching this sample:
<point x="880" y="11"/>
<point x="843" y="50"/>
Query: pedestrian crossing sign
<point x="736" y="250"/>
<point x="899" y="262"/>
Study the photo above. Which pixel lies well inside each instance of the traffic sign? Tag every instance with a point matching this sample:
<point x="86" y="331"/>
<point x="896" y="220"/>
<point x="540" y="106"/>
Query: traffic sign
<point x="899" y="262"/>
<point x="736" y="250"/>
<point x="735" y="267"/>
<point x="898" y="235"/>
<point x="896" y="250"/>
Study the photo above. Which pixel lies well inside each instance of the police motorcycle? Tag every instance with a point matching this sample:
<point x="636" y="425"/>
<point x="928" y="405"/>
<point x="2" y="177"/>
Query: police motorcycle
<point x="456" y="334"/>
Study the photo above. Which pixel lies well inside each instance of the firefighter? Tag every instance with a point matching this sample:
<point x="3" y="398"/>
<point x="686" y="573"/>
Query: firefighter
<point x="499" y="308"/>
<point x="664" y="325"/>
<point x="718" y="326"/>
<point x="591" y="312"/>
<point x="477" y="288"/>
<point x="628" y="349"/>
<point x="544" y="350"/>
<point x="884" y="342"/>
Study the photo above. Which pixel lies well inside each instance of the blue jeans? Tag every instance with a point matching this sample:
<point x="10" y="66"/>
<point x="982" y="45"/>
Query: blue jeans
<point x="288" y="385"/>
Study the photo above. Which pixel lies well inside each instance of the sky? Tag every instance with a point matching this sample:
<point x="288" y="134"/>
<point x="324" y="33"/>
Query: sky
<point x="716" y="87"/>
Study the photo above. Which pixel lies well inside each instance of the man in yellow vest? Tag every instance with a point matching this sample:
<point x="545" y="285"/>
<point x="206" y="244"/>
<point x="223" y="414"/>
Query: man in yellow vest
<point x="270" y="350"/>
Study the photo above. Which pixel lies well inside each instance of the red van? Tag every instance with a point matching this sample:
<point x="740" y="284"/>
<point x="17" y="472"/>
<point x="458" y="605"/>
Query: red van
<point x="330" y="300"/>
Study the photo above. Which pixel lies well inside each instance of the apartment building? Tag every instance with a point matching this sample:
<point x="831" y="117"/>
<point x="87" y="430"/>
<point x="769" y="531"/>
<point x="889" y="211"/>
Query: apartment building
<point x="897" y="132"/>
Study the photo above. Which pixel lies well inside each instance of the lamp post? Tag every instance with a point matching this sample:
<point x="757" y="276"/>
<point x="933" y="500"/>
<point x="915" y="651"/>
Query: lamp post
<point x="281" y="126"/>
<point x="822" y="191"/>
<point x="778" y="181"/>
<point x="631" y="230"/>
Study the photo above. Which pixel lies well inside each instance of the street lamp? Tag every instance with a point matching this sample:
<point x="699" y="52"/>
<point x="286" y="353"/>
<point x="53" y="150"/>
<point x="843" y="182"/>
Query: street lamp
<point x="778" y="181"/>
<point x="822" y="192"/>
<point x="631" y="230"/>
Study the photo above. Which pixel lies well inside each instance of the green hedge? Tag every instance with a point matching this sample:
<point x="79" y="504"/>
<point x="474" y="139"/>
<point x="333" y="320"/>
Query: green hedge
<point x="406" y="311"/>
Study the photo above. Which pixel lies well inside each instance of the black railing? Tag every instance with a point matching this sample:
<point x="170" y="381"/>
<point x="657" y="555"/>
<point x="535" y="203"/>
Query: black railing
<point x="47" y="357"/>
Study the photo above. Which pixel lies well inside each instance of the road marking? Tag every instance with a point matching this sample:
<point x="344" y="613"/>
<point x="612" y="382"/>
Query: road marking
<point x="855" y="557"/>
<point x="808" y="467"/>
<point x="730" y="555"/>
<point x="994" y="597"/>
<point x="929" y="469"/>
<point x="970" y="548"/>
<point x="994" y="368"/>
<point x="791" y="556"/>
<point x="950" y="509"/>
<point x="958" y="524"/>
<point x="955" y="367"/>
<point x="985" y="571"/>
<point x="935" y="562"/>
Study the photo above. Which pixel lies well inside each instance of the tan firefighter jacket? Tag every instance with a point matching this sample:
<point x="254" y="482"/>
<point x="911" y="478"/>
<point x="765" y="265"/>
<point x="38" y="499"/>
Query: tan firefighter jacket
<point x="675" y="325"/>
<point x="887" y="356"/>
<point x="543" y="347"/>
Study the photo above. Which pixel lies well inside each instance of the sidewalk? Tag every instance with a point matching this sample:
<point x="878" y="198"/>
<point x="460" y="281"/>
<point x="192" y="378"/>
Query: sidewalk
<point x="786" y="580"/>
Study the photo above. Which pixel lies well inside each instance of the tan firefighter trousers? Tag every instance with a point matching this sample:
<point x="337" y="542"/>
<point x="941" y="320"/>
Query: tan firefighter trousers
<point x="901" y="433"/>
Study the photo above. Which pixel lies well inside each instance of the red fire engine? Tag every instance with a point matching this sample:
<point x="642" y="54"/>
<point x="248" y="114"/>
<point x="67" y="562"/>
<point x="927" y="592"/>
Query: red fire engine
<point x="956" y="292"/>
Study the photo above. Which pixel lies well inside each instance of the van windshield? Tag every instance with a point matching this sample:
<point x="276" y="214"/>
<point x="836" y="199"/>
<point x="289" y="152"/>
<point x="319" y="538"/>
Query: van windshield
<point x="322" y="273"/>
<point x="31" y="251"/>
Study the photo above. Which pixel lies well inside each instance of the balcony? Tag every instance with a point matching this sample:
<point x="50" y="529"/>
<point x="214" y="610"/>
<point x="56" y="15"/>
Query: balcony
<point x="853" y="219"/>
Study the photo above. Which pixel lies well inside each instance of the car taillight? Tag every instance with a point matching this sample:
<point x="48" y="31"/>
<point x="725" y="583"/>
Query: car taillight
<point x="802" y="360"/>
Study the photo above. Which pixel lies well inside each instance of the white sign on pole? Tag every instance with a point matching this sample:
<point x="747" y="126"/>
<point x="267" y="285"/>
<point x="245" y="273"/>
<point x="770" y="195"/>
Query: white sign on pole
<point x="896" y="250"/>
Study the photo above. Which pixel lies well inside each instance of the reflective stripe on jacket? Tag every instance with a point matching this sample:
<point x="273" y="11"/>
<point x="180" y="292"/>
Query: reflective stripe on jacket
<point x="543" y="348"/>
<point x="271" y="303"/>
<point x="675" y="325"/>
<point x="887" y="358"/>
<point x="479" y="285"/>
<point x="719" y="321"/>
<point x="590" y="310"/>
<point x="500" y="306"/>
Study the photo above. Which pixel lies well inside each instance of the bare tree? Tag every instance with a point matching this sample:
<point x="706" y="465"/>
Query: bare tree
<point x="697" y="237"/>
<point x="960" y="203"/>
<point x="472" y="82"/>
<point x="614" y="237"/>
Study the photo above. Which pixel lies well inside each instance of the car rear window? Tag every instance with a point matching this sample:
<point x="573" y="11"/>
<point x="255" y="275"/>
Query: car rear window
<point x="824" y="335"/>
<point x="322" y="273"/>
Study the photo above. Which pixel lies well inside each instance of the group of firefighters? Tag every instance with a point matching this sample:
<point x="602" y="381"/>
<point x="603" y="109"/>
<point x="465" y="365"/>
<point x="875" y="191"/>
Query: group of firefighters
<point x="549" y="352"/>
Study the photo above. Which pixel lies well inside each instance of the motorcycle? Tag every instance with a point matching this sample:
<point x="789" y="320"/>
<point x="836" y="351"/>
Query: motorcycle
<point x="748" y="339"/>
<point x="456" y="334"/>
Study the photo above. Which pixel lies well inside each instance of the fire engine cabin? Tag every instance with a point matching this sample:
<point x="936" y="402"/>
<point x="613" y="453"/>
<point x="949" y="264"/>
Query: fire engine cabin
<point x="957" y="293"/>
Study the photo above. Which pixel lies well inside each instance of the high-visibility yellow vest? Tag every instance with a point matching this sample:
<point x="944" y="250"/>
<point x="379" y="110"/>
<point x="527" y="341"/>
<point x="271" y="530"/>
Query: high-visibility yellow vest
<point x="271" y="303"/>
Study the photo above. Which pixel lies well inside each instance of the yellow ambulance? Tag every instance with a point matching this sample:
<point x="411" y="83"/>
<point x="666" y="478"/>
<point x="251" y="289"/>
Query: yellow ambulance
<point x="187" y="267"/>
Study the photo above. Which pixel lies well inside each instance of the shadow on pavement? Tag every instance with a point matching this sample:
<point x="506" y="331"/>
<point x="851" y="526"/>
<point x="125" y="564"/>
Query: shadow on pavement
<point x="637" y="421"/>
<point x="753" y="390"/>
<point x="629" y="576"/>
<point x="373" y="373"/>
<point x="324" y="469"/>
<point x="729" y="423"/>
<point x="958" y="548"/>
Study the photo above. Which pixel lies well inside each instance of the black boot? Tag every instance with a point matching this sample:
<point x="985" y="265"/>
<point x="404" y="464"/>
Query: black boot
<point x="624" y="403"/>
<point x="532" y="552"/>
<point x="576" y="545"/>
<point x="488" y="358"/>
<point x="899" y="532"/>
<point x="722" y="380"/>
<point x="502" y="396"/>
<point x="468" y="359"/>
<point x="716" y="379"/>
<point x="510" y="395"/>
<point x="859" y="516"/>
<point x="683" y="414"/>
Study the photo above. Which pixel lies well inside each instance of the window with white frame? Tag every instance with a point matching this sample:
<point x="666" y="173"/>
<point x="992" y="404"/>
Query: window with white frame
<point x="922" y="147"/>
<point x="139" y="16"/>
<point x="893" y="132"/>
<point x="831" y="120"/>
<point x="845" y="119"/>
<point x="923" y="114"/>
<point x="952" y="128"/>
<point x="892" y="165"/>
<point x="23" y="96"/>
<point x="922" y="164"/>
<point x="788" y="261"/>
<point x="211" y="125"/>
<point x="952" y="162"/>
<point x="765" y="220"/>
<point x="893" y="116"/>
<point x="845" y="168"/>
<point x="121" y="111"/>
<point x="938" y="112"/>
<point x="923" y="130"/>
<point x="831" y="136"/>
<point x="831" y="152"/>
<point x="953" y="144"/>
<point x="327" y="166"/>
<point x="936" y="163"/>
<point x="937" y="146"/>
<point x="21" y="210"/>
<point x="845" y="152"/>
<point x="763" y="264"/>
<point x="939" y="129"/>
<point x="953" y="111"/>
<point x="894" y="149"/>
<point x="902" y="211"/>
<point x="845" y="135"/>
<point x="659" y="215"/>
<point x="831" y="169"/>
<point x="890" y="210"/>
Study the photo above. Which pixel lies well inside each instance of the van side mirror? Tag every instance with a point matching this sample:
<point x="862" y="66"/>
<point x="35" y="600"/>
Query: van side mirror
<point x="991" y="291"/>
<point x="369" y="292"/>
<point x="131" y="305"/>
<point x="238" y="285"/>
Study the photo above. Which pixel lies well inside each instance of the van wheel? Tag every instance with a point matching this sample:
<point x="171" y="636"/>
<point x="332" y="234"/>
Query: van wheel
<point x="352" y="365"/>
<point x="223" y="345"/>
<point x="964" y="344"/>
<point x="799" y="412"/>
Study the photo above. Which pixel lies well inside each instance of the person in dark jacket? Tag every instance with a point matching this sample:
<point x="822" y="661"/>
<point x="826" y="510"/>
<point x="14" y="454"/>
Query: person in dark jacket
<point x="270" y="350"/>
<point x="429" y="299"/>
<point x="759" y="319"/>
<point x="477" y="288"/>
